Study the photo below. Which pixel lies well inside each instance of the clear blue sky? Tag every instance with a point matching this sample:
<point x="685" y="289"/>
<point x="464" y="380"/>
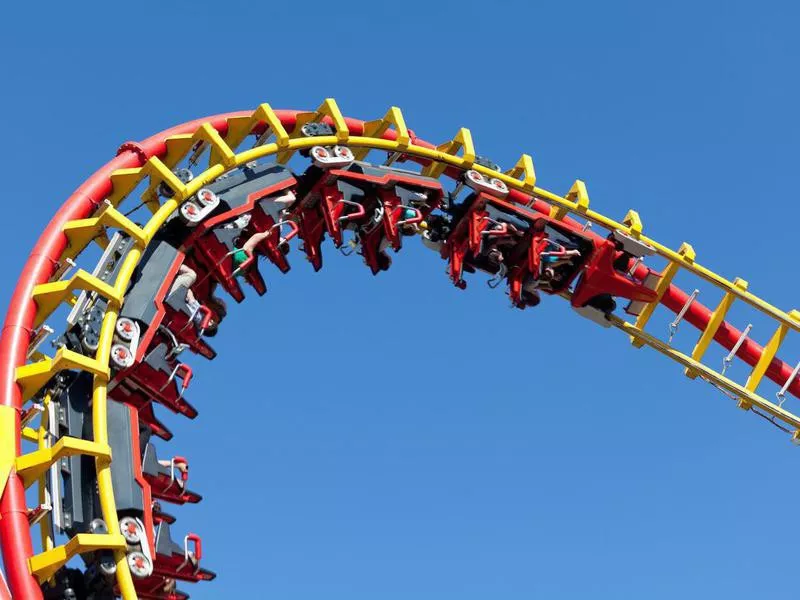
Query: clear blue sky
<point x="395" y="437"/>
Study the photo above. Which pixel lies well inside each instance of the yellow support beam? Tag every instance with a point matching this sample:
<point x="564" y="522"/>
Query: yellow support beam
<point x="240" y="127"/>
<point x="82" y="231"/>
<point x="328" y="108"/>
<point x="29" y="434"/>
<point x="8" y="450"/>
<point x="33" y="465"/>
<point x="662" y="286"/>
<point x="633" y="223"/>
<point x="124" y="181"/>
<point x="462" y="141"/>
<point x="767" y="355"/>
<point x="717" y="318"/>
<point x="43" y="566"/>
<point x="578" y="196"/>
<point x="524" y="169"/>
<point x="48" y="296"/>
<point x="727" y="385"/>
<point x="376" y="129"/>
<point x="220" y="152"/>
<point x="33" y="376"/>
<point x="178" y="147"/>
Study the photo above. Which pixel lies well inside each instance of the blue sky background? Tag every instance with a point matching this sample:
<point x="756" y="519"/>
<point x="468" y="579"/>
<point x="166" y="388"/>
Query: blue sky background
<point x="399" y="438"/>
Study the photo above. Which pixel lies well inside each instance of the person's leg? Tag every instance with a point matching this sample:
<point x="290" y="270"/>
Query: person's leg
<point x="285" y="199"/>
<point x="186" y="278"/>
<point x="255" y="239"/>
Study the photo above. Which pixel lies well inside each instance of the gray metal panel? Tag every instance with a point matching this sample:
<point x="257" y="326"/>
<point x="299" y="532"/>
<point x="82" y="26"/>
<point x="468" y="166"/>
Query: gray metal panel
<point x="234" y="189"/>
<point x="78" y="472"/>
<point x="153" y="269"/>
<point x="127" y="493"/>
<point x="377" y="171"/>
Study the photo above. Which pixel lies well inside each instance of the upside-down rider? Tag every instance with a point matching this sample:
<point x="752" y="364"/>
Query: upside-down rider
<point x="244" y="256"/>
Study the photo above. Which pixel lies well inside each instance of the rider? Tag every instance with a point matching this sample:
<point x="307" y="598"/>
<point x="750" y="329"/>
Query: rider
<point x="245" y="252"/>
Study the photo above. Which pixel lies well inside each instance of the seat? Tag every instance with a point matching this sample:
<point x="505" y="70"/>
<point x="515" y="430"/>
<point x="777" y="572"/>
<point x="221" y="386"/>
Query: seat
<point x="156" y="377"/>
<point x="167" y="482"/>
<point x="178" y="561"/>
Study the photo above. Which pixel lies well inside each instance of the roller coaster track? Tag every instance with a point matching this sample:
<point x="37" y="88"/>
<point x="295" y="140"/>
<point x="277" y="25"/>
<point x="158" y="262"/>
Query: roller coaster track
<point x="93" y="208"/>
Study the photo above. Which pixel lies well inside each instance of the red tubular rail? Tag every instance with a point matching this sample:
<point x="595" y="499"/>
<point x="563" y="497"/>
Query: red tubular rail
<point x="15" y="539"/>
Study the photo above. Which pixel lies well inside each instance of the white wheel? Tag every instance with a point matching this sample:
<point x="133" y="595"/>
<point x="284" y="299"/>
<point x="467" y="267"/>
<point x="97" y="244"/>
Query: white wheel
<point x="190" y="211"/>
<point x="499" y="185"/>
<point x="475" y="176"/>
<point x="320" y="153"/>
<point x="343" y="152"/>
<point x="121" y="356"/>
<point x="139" y="565"/>
<point x="131" y="530"/>
<point x="126" y="329"/>
<point x="206" y="196"/>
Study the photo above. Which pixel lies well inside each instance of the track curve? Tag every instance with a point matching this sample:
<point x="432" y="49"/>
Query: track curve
<point x="85" y="214"/>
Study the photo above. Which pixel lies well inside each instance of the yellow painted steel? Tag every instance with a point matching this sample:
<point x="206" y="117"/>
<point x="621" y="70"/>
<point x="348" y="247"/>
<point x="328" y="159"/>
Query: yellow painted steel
<point x="124" y="181"/>
<point x="29" y="434"/>
<point x="33" y="376"/>
<point x="328" y="108"/>
<point x="240" y="127"/>
<point x="524" y="170"/>
<point x="8" y="422"/>
<point x="522" y="177"/>
<point x="48" y="296"/>
<point x="43" y="566"/>
<point x="378" y="127"/>
<point x="220" y="152"/>
<point x="463" y="142"/>
<point x="730" y="386"/>
<point x="662" y="286"/>
<point x="81" y="232"/>
<point x="634" y="223"/>
<point x="717" y="318"/>
<point x="33" y="465"/>
<point x="577" y="194"/>
<point x="767" y="355"/>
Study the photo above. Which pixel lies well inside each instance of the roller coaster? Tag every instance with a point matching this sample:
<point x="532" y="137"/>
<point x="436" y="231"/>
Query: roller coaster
<point x="224" y="196"/>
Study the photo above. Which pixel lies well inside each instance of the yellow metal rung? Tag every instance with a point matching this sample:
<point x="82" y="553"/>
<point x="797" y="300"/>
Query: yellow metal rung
<point x="161" y="173"/>
<point x="178" y="147"/>
<point x="33" y="376"/>
<point x="44" y="565"/>
<point x="123" y="182"/>
<point x="33" y="465"/>
<point x="81" y="232"/>
<point x="8" y="420"/>
<point x="462" y="141"/>
<point x="240" y="127"/>
<point x="667" y="276"/>
<point x="376" y="129"/>
<point x="767" y="355"/>
<point x="29" y="434"/>
<point x="49" y="295"/>
<point x="749" y="397"/>
<point x="717" y="318"/>
<point x="524" y="169"/>
<point x="578" y="195"/>
<point x="633" y="223"/>
<point x="328" y="108"/>
<point x="220" y="153"/>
